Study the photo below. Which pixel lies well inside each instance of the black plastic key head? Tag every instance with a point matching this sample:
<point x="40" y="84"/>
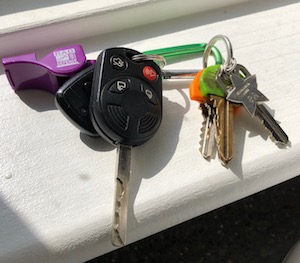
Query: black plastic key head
<point x="73" y="100"/>
<point x="126" y="97"/>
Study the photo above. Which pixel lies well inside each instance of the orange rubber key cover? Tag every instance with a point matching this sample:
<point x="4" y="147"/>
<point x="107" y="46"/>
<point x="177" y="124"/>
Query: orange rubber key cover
<point x="195" y="93"/>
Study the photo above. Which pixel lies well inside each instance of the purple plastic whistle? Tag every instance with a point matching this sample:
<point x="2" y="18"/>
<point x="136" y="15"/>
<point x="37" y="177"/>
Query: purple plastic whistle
<point x="48" y="73"/>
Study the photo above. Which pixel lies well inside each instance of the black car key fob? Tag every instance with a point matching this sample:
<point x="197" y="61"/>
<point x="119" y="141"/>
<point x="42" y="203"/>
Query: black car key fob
<point x="73" y="100"/>
<point x="126" y="97"/>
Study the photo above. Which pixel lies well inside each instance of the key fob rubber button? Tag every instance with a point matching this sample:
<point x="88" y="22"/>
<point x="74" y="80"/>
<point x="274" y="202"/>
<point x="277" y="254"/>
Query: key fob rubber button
<point x="119" y="116"/>
<point x="149" y="94"/>
<point x="120" y="86"/>
<point x="147" y="123"/>
<point x="150" y="73"/>
<point x="118" y="62"/>
<point x="134" y="103"/>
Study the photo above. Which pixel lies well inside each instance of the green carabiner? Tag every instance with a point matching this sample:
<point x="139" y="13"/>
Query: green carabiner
<point x="185" y="52"/>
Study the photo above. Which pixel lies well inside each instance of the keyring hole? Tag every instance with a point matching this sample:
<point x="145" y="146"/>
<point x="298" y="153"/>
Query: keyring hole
<point x="222" y="49"/>
<point x="131" y="54"/>
<point x="158" y="59"/>
<point x="225" y="48"/>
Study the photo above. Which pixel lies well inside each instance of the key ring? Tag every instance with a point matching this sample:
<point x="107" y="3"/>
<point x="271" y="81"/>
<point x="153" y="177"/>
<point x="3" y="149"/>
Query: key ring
<point x="142" y="57"/>
<point x="230" y="63"/>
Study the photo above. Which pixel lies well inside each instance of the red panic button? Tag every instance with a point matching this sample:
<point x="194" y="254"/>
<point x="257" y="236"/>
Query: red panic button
<point x="149" y="73"/>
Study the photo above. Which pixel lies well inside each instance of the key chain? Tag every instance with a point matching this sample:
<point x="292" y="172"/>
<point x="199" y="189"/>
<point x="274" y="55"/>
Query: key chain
<point x="124" y="108"/>
<point x="66" y="72"/>
<point x="73" y="98"/>
<point x="119" y="97"/>
<point x="53" y="70"/>
<point x="221" y="89"/>
<point x="183" y="52"/>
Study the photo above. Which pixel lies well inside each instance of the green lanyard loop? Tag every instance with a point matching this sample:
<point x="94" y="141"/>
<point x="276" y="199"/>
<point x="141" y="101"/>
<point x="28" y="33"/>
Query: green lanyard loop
<point x="185" y="52"/>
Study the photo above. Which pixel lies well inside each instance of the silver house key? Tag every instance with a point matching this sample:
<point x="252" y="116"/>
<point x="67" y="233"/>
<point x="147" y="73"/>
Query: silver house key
<point x="241" y="88"/>
<point x="244" y="91"/>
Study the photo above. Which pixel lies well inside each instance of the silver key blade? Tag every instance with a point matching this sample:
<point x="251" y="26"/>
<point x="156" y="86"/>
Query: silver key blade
<point x="208" y="130"/>
<point x="213" y="134"/>
<point x="119" y="228"/>
<point x="179" y="74"/>
<point x="245" y="92"/>
<point x="277" y="133"/>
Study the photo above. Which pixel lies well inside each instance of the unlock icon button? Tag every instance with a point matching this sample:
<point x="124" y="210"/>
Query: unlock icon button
<point x="119" y="86"/>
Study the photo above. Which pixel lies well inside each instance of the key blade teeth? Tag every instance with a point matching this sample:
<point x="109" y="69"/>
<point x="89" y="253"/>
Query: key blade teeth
<point x="119" y="227"/>
<point x="116" y="239"/>
<point x="277" y="140"/>
<point x="203" y="127"/>
<point x="276" y="133"/>
<point x="206" y="132"/>
<point x="120" y="215"/>
<point x="203" y="140"/>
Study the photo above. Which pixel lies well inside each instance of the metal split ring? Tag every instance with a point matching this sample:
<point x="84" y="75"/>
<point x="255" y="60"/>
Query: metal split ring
<point x="142" y="57"/>
<point x="230" y="63"/>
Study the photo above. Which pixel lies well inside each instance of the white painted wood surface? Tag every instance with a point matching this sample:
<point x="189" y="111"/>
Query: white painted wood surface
<point x="53" y="22"/>
<point x="56" y="185"/>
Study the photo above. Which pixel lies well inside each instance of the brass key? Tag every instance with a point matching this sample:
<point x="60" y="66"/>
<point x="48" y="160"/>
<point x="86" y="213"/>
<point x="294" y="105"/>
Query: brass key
<point x="217" y="113"/>
<point x="224" y="119"/>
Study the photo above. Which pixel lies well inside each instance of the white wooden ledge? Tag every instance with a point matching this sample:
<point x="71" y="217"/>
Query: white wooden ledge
<point x="56" y="185"/>
<point x="54" y="22"/>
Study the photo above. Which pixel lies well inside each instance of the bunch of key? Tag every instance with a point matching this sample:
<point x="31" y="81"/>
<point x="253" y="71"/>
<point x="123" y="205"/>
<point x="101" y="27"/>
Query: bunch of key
<point x="222" y="90"/>
<point x="117" y="97"/>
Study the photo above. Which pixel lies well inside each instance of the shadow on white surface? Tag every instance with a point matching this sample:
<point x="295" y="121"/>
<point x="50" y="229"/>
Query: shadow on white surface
<point x="25" y="244"/>
<point x="254" y="127"/>
<point x="38" y="100"/>
<point x="96" y="143"/>
<point x="244" y="123"/>
<point x="150" y="158"/>
<point x="154" y="155"/>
